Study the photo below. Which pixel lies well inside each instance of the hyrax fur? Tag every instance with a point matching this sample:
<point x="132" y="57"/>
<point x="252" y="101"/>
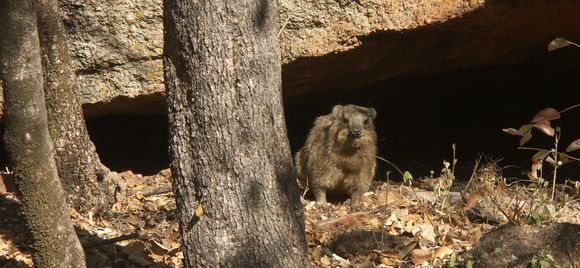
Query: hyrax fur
<point x="338" y="157"/>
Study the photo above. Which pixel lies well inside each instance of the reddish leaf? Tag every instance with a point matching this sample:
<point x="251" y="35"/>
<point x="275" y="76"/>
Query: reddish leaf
<point x="472" y="200"/>
<point x="535" y="167"/>
<point x="575" y="145"/>
<point x="540" y="156"/>
<point x="545" y="127"/>
<point x="525" y="138"/>
<point x="546" y="114"/>
<point x="501" y="186"/>
<point x="512" y="131"/>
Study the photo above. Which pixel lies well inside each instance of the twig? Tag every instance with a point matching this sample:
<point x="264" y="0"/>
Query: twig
<point x="531" y="148"/>
<point x="153" y="191"/>
<point x="575" y="105"/>
<point x="473" y="174"/>
<point x="572" y="43"/>
<point x="571" y="157"/>
<point x="305" y="189"/>
<point x="556" y="165"/>
<point x="103" y="242"/>
<point x="494" y="201"/>
<point x="453" y="161"/>
<point x="285" y="23"/>
<point x="386" y="161"/>
<point x="565" y="204"/>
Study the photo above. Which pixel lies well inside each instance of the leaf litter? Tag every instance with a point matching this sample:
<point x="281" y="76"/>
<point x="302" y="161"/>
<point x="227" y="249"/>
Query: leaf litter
<point x="400" y="226"/>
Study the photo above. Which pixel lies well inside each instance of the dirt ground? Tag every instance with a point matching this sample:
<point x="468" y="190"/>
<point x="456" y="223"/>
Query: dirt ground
<point x="424" y="222"/>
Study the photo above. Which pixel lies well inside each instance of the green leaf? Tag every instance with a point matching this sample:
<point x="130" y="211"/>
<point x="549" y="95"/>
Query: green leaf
<point x="407" y="176"/>
<point x="452" y="261"/>
<point x="534" y="218"/>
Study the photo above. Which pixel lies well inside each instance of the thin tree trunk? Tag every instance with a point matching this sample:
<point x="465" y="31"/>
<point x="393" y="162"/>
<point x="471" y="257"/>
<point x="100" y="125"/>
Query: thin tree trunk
<point x="232" y="168"/>
<point x="90" y="185"/>
<point x="29" y="147"/>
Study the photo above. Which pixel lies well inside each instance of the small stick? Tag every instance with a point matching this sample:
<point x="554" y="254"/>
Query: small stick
<point x="153" y="191"/>
<point x="113" y="240"/>
<point x="284" y="25"/>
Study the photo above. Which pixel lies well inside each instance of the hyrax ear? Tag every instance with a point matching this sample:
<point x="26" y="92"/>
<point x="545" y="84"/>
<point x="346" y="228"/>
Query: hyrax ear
<point x="337" y="111"/>
<point x="372" y="113"/>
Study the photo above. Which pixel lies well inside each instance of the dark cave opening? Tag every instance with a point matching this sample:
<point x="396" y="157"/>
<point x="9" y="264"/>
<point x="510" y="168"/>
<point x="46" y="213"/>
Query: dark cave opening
<point x="419" y="117"/>
<point x="131" y="142"/>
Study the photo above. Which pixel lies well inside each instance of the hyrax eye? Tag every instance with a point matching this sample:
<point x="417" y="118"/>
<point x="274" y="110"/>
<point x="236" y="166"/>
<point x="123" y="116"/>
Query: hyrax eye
<point x="345" y="120"/>
<point x="367" y="121"/>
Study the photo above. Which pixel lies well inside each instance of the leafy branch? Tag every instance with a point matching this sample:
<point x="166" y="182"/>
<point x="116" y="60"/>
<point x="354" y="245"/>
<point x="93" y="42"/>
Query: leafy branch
<point x="542" y="121"/>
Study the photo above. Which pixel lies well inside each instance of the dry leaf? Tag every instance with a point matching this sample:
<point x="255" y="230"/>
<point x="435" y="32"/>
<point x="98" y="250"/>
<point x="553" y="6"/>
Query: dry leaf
<point x="536" y="166"/>
<point x="546" y="114"/>
<point x="387" y="261"/>
<point x="442" y="252"/>
<point x="551" y="160"/>
<point x="135" y="249"/>
<point x="540" y="156"/>
<point x="558" y="43"/>
<point x="472" y="200"/>
<point x="157" y="248"/>
<point x="525" y="128"/>
<point x="325" y="260"/>
<point x="407" y="249"/>
<point x="443" y="228"/>
<point x="410" y="219"/>
<point x="420" y="256"/>
<point x="545" y="127"/>
<point x="474" y="233"/>
<point x="400" y="212"/>
<point x="427" y="232"/>
<point x="527" y="137"/>
<point x="501" y="187"/>
<point x="373" y="223"/>
<point x="316" y="252"/>
<point x="512" y="131"/>
<point x="391" y="219"/>
<point x="199" y="210"/>
<point x="575" y="145"/>
<point x="564" y="158"/>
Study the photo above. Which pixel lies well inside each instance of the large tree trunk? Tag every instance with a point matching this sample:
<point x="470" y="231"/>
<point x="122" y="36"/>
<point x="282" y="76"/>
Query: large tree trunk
<point x="234" y="181"/>
<point x="89" y="184"/>
<point x="28" y="142"/>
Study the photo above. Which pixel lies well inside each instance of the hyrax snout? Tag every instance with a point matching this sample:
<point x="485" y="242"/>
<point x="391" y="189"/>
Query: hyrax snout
<point x="339" y="154"/>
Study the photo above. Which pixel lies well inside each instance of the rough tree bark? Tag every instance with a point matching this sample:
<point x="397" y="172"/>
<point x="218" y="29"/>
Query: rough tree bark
<point x="90" y="185"/>
<point x="233" y="176"/>
<point x="28" y="143"/>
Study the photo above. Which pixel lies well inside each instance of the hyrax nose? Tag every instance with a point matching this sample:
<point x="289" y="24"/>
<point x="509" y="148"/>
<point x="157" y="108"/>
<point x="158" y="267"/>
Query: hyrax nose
<point x="357" y="132"/>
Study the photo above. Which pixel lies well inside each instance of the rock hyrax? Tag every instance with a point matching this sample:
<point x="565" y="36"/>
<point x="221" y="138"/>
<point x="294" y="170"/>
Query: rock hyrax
<point x="339" y="154"/>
